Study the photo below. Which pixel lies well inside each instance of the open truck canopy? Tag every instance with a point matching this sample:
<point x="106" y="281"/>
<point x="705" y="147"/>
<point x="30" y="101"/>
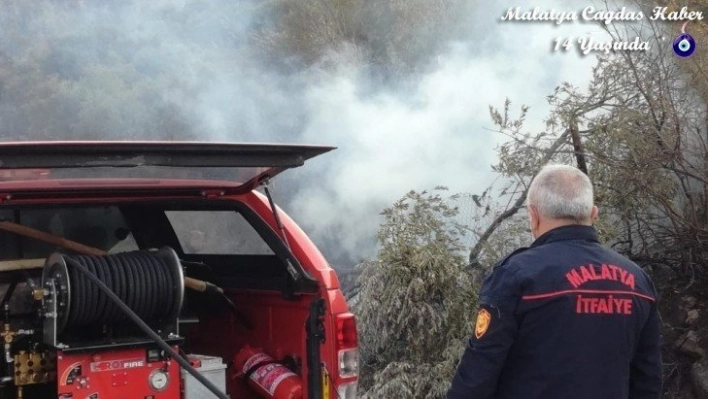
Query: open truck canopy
<point x="233" y="167"/>
<point x="128" y="257"/>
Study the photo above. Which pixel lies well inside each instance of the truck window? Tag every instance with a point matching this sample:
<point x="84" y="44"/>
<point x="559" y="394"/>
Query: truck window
<point x="216" y="233"/>
<point x="98" y="227"/>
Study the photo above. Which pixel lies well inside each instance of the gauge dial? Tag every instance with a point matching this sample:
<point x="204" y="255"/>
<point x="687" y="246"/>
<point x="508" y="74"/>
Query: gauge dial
<point x="159" y="380"/>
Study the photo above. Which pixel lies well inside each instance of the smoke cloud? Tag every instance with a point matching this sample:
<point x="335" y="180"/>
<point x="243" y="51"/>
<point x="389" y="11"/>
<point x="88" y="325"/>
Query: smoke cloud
<point x="238" y="71"/>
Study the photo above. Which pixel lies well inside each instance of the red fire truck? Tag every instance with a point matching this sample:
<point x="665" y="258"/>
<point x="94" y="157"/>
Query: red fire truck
<point x="164" y="270"/>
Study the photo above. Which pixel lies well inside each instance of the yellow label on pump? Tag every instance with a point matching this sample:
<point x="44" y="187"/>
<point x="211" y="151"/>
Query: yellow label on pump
<point x="326" y="379"/>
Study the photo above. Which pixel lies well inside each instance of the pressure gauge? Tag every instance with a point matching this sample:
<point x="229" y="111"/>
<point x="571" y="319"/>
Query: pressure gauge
<point x="159" y="380"/>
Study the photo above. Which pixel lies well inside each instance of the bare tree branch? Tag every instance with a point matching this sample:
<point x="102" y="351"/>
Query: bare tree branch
<point x="550" y="152"/>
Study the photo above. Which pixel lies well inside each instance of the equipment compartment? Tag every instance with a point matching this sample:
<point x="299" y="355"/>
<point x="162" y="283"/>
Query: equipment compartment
<point x="67" y="337"/>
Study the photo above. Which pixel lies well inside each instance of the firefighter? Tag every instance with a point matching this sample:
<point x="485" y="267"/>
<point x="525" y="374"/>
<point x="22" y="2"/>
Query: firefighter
<point x="565" y="317"/>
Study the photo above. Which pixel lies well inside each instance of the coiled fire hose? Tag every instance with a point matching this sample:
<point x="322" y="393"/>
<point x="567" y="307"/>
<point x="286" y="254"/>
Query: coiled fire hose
<point x="145" y="328"/>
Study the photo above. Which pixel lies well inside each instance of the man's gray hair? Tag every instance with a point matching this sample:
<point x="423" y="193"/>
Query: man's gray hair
<point x="562" y="192"/>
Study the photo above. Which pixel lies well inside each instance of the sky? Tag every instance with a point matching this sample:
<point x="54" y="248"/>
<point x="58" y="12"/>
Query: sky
<point x="191" y="68"/>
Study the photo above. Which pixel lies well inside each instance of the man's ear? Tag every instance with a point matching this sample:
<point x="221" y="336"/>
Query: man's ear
<point x="593" y="213"/>
<point x="533" y="218"/>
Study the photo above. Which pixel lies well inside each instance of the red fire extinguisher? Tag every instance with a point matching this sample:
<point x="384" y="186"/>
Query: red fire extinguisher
<point x="268" y="377"/>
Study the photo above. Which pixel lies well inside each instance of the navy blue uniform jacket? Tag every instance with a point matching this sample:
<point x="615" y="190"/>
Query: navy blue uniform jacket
<point x="564" y="318"/>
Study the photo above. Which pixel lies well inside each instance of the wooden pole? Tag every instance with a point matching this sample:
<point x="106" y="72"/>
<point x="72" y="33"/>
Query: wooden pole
<point x="191" y="283"/>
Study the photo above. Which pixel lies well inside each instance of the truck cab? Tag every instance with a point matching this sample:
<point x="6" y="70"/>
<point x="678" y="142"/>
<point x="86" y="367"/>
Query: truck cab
<point x="164" y="270"/>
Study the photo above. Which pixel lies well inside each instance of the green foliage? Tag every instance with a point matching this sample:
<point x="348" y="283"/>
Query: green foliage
<point x="514" y="233"/>
<point x="417" y="303"/>
<point x="394" y="37"/>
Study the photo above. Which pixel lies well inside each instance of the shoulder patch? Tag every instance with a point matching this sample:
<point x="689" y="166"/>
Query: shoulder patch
<point x="484" y="318"/>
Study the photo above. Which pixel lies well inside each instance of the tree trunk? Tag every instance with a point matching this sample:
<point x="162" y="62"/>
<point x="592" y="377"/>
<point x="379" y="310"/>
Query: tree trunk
<point x="578" y="145"/>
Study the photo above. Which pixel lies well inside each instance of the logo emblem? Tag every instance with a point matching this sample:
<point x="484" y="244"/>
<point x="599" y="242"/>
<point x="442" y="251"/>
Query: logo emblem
<point x="684" y="45"/>
<point x="483" y="320"/>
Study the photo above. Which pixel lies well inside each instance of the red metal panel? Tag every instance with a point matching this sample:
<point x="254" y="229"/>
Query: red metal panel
<point x="314" y="263"/>
<point x="122" y="374"/>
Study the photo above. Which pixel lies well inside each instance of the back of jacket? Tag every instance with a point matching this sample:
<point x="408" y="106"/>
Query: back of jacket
<point x="565" y="318"/>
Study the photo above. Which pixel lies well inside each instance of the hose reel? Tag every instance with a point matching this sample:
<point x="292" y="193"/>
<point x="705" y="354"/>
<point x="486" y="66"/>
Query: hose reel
<point x="150" y="282"/>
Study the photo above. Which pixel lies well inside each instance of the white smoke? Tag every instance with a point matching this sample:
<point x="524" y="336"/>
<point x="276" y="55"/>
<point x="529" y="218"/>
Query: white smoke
<point x="189" y="69"/>
<point x="436" y="134"/>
